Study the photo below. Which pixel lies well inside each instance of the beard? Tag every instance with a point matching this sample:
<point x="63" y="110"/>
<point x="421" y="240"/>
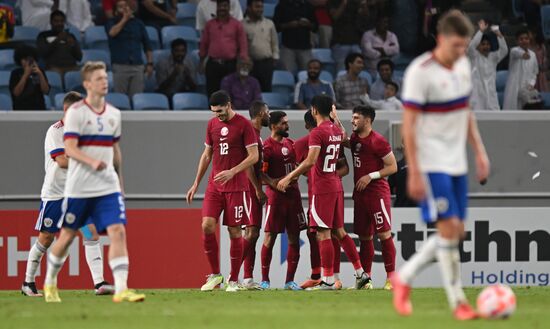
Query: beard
<point x="282" y="133"/>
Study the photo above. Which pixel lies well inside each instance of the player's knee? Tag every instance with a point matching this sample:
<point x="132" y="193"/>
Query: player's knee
<point x="208" y="226"/>
<point x="383" y="235"/>
<point x="252" y="234"/>
<point x="293" y="239"/>
<point x="269" y="239"/>
<point x="46" y="239"/>
<point x="117" y="233"/>
<point x="234" y="232"/>
<point x="339" y="233"/>
<point x="323" y="234"/>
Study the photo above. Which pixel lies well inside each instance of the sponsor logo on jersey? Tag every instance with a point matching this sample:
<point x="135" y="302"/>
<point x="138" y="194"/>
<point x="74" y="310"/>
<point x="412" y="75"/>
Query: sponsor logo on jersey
<point x="70" y="218"/>
<point x="224" y="131"/>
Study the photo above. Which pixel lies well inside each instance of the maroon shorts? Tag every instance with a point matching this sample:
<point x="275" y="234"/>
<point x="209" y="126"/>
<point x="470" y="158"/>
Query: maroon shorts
<point x="327" y="210"/>
<point x="371" y="213"/>
<point x="285" y="211"/>
<point x="256" y="211"/>
<point x="234" y="205"/>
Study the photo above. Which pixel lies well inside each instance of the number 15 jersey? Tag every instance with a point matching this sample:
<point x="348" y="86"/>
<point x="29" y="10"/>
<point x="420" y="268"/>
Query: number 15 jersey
<point x="324" y="178"/>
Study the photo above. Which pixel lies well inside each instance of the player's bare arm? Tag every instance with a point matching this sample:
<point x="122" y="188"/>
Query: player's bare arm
<point x="257" y="185"/>
<point x="72" y="151"/>
<point x="342" y="167"/>
<point x="204" y="162"/>
<point x="272" y="182"/>
<point x="304" y="167"/>
<point x="62" y="161"/>
<point x="482" y="160"/>
<point x="252" y="157"/>
<point x="117" y="164"/>
<point x="415" y="182"/>
<point x="390" y="167"/>
<point x="334" y="116"/>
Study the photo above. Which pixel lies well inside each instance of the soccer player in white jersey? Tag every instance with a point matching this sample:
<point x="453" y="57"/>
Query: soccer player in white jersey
<point x="94" y="181"/>
<point x="437" y="122"/>
<point x="56" y="164"/>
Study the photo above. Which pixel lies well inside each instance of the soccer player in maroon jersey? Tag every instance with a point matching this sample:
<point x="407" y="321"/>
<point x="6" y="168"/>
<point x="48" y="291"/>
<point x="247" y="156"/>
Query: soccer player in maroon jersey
<point x="259" y="117"/>
<point x="232" y="147"/>
<point x="284" y="210"/>
<point x="327" y="204"/>
<point x="373" y="161"/>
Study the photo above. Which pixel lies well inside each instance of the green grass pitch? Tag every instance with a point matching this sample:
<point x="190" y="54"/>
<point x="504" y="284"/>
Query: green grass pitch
<point x="164" y="309"/>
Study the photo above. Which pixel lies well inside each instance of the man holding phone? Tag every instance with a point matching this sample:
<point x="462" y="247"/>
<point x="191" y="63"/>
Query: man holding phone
<point x="28" y="83"/>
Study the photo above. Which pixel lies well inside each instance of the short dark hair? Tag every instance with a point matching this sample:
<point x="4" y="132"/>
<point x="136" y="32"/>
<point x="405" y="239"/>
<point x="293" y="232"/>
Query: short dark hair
<point x="314" y="60"/>
<point x="275" y="117"/>
<point x="222" y="1"/>
<point x="309" y="119"/>
<point x="24" y="51"/>
<point x="250" y="2"/>
<point x="219" y="98"/>
<point x="57" y="12"/>
<point x="521" y="32"/>
<point x="323" y="104"/>
<point x="385" y="61"/>
<point x="366" y="111"/>
<point x="455" y="22"/>
<point x="178" y="42"/>
<point x="255" y="108"/>
<point x="350" y="58"/>
<point x="395" y="85"/>
<point x="72" y="97"/>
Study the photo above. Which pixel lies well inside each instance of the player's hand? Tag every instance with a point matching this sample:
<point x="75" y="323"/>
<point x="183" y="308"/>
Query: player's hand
<point x="98" y="165"/>
<point x="191" y="193"/>
<point x="362" y="183"/>
<point x="483" y="166"/>
<point x="482" y="24"/>
<point x="283" y="184"/>
<point x="262" y="198"/>
<point x="416" y="187"/>
<point x="224" y="176"/>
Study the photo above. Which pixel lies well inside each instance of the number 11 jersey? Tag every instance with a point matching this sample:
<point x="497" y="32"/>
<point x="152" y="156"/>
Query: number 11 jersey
<point x="323" y="178"/>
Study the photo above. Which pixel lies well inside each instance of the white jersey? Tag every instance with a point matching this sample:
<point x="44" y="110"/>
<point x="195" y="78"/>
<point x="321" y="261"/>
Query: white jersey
<point x="441" y="96"/>
<point x="96" y="134"/>
<point x="54" y="180"/>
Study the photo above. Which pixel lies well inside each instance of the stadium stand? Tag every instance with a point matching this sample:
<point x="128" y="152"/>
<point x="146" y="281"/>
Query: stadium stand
<point x="150" y="101"/>
<point x="189" y="101"/>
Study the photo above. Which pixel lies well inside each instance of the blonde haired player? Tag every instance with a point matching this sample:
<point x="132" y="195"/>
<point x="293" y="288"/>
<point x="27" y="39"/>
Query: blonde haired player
<point x="437" y="122"/>
<point x="94" y="180"/>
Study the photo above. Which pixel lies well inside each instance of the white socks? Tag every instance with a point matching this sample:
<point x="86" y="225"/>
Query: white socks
<point x="419" y="260"/>
<point x="94" y="258"/>
<point x="336" y="276"/>
<point x="119" y="266"/>
<point x="33" y="262"/>
<point x="449" y="263"/>
<point x="328" y="279"/>
<point x="54" y="266"/>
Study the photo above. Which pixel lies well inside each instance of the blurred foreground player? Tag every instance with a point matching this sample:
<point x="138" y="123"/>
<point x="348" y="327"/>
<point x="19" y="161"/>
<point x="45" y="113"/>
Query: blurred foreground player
<point x="437" y="122"/>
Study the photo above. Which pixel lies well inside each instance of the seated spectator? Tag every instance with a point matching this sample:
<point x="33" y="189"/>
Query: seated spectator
<point x="385" y="75"/>
<point x="78" y="13"/>
<point x="263" y="43"/>
<point x="313" y="86"/>
<point x="206" y="10"/>
<point x="109" y="5"/>
<point x="522" y="74"/>
<point x="390" y="101"/>
<point x="176" y="72"/>
<point x="127" y="41"/>
<point x="350" y="87"/>
<point x="346" y="33"/>
<point x="379" y="43"/>
<point x="242" y="88"/>
<point x="484" y="68"/>
<point x="28" y="83"/>
<point x="158" y="13"/>
<point x="58" y="47"/>
<point x="7" y="24"/>
<point x="538" y="47"/>
<point x="36" y="13"/>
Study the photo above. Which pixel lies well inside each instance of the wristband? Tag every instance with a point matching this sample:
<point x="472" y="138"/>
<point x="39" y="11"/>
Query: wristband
<point x="375" y="175"/>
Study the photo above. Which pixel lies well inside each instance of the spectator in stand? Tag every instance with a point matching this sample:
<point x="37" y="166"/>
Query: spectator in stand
<point x="36" y="13"/>
<point x="350" y="87"/>
<point x="398" y="185"/>
<point x="207" y="10"/>
<point x="324" y="34"/>
<point x="242" y="88"/>
<point x="176" y="72"/>
<point x="28" y="83"/>
<point x="7" y="24"/>
<point x="390" y="101"/>
<point x="379" y="43"/>
<point x="128" y="40"/>
<point x="306" y="90"/>
<point x="346" y="33"/>
<point x="109" y="5"/>
<point x="58" y="47"/>
<point x="296" y="20"/>
<point x="78" y="13"/>
<point x="538" y="47"/>
<point x="222" y="41"/>
<point x="263" y="43"/>
<point x="522" y="74"/>
<point x="484" y="68"/>
<point x="158" y="13"/>
<point x="385" y="68"/>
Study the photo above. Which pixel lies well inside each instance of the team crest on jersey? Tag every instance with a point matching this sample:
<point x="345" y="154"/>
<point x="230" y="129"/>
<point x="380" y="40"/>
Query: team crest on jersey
<point x="284" y="150"/>
<point x="357" y="147"/>
<point x="70" y="218"/>
<point x="442" y="205"/>
<point x="48" y="222"/>
<point x="224" y="131"/>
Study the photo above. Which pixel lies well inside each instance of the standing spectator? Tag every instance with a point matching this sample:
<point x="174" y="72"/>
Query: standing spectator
<point x="28" y="83"/>
<point x="7" y="24"/>
<point x="58" y="47"/>
<point x="522" y="74"/>
<point x="324" y="33"/>
<point x="263" y="43"/>
<point x="36" y="13"/>
<point x="390" y="101"/>
<point x="222" y="40"/>
<point x="78" y="13"/>
<point x="350" y="87"/>
<point x="346" y="33"/>
<point x="538" y="47"/>
<point x="158" y="13"/>
<point x="176" y="72"/>
<point x="379" y="43"/>
<point x="242" y="88"/>
<point x="306" y="90"/>
<point x="109" y="6"/>
<point x="296" y="20"/>
<point x="127" y="41"/>
<point x="385" y="70"/>
<point x="207" y="10"/>
<point x="484" y="68"/>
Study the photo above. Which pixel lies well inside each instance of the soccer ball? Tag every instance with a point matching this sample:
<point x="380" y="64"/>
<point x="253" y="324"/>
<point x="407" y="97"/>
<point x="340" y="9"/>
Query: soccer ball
<point x="496" y="302"/>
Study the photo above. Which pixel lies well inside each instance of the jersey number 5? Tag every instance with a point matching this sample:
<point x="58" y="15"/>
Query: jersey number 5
<point x="224" y="148"/>
<point x="332" y="153"/>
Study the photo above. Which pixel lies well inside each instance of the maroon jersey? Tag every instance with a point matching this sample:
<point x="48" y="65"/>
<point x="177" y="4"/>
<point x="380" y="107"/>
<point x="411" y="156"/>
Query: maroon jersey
<point x="229" y="141"/>
<point x="258" y="165"/>
<point x="323" y="179"/>
<point x="279" y="159"/>
<point x="368" y="154"/>
<point x="301" y="147"/>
